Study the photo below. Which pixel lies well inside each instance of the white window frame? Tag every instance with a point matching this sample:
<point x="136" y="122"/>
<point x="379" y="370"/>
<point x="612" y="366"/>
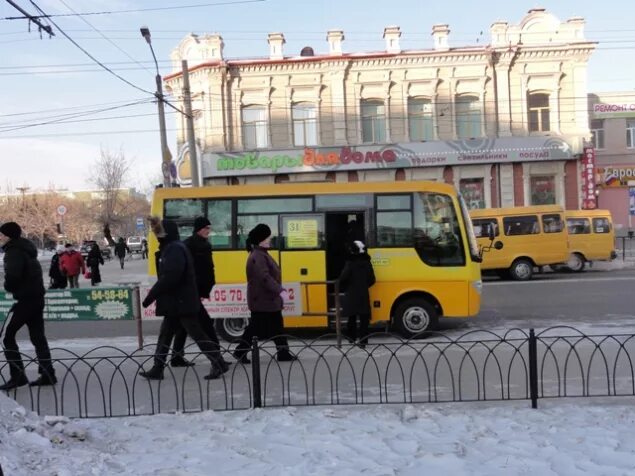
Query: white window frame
<point x="305" y="124"/>
<point x="539" y="110"/>
<point x="630" y="133"/>
<point x="597" y="134"/>
<point x="424" y="117"/>
<point x="260" y="127"/>
<point x="378" y="122"/>
<point x="466" y="128"/>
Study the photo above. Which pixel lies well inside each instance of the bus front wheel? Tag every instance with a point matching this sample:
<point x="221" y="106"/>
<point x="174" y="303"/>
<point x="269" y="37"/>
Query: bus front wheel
<point x="521" y="270"/>
<point x="231" y="329"/>
<point x="415" y="316"/>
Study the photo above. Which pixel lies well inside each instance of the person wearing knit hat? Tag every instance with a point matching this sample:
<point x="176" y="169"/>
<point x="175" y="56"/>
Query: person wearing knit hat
<point x="265" y="297"/>
<point x="200" y="223"/>
<point x="23" y="278"/>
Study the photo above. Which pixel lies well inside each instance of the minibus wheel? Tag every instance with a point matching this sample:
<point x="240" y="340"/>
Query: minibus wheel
<point x="231" y="329"/>
<point x="576" y="262"/>
<point x="521" y="270"/>
<point x="415" y="316"/>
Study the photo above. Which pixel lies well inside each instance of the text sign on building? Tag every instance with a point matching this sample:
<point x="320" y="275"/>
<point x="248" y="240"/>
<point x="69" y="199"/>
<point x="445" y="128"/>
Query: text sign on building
<point x="615" y="176"/>
<point x="389" y="156"/>
<point x="230" y="300"/>
<point x="81" y="304"/>
<point x="589" y="199"/>
<point x="612" y="110"/>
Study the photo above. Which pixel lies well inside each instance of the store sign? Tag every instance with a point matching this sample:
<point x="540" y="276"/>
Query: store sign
<point x="609" y="177"/>
<point x="230" y="300"/>
<point x="473" y="192"/>
<point x="399" y="155"/>
<point x="589" y="199"/>
<point x="81" y="304"/>
<point x="612" y="110"/>
<point x="302" y="233"/>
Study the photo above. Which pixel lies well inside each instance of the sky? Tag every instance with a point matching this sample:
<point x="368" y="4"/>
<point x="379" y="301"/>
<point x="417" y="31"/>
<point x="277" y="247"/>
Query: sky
<point x="44" y="80"/>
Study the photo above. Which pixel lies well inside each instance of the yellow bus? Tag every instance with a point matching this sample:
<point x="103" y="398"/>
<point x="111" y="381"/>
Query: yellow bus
<point x="524" y="238"/>
<point x="591" y="237"/>
<point x="418" y="235"/>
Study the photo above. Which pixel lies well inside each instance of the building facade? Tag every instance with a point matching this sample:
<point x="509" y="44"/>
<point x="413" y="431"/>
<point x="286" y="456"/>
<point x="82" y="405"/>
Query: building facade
<point x="612" y="122"/>
<point x="506" y="123"/>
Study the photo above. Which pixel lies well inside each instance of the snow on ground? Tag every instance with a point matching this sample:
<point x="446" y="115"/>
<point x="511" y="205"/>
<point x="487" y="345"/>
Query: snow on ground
<point x="564" y="437"/>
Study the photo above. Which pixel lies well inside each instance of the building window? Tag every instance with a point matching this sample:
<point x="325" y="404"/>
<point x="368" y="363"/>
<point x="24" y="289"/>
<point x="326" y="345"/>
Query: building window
<point x="373" y="121"/>
<point x="630" y="133"/>
<point x="255" y="127"/>
<point x="468" y="117"/>
<point x="543" y="190"/>
<point x="538" y="106"/>
<point x="597" y="133"/>
<point x="473" y="192"/>
<point x="420" y="122"/>
<point x="304" y="124"/>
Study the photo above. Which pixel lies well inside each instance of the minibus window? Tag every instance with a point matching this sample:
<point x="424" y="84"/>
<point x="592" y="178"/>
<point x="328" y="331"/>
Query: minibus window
<point x="482" y="226"/>
<point x="183" y="208"/>
<point x="601" y="225"/>
<point x="552" y="223"/>
<point x="578" y="226"/>
<point x="521" y="225"/>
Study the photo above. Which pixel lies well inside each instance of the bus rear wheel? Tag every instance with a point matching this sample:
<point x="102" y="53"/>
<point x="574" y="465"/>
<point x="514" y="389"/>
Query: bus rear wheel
<point x="576" y="262"/>
<point x="231" y="329"/>
<point x="415" y="316"/>
<point x="521" y="270"/>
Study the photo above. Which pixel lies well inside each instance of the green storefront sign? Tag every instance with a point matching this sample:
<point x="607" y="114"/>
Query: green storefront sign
<point x="81" y="304"/>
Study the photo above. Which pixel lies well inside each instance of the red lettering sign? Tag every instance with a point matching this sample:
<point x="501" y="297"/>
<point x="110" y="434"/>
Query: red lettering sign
<point x="589" y="200"/>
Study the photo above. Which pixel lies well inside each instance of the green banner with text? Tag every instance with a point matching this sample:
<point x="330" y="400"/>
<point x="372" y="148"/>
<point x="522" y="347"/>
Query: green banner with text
<point x="94" y="304"/>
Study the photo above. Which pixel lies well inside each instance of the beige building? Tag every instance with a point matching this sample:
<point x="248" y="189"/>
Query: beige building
<point x="506" y="123"/>
<point x="612" y="122"/>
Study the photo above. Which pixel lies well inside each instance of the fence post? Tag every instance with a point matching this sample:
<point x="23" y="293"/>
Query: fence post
<point x="136" y="299"/>
<point x="338" y="320"/>
<point x="255" y="372"/>
<point x="623" y="248"/>
<point x="533" y="369"/>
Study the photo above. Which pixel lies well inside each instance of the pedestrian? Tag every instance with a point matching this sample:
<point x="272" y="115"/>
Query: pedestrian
<point x="355" y="280"/>
<point x="23" y="278"/>
<point x="72" y="264"/>
<point x="176" y="295"/>
<point x="57" y="278"/>
<point x="265" y="297"/>
<point x="201" y="251"/>
<point x="93" y="260"/>
<point x="144" y="249"/>
<point x="121" y="248"/>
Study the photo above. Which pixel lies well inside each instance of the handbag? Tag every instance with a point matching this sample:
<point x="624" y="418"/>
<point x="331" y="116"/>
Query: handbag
<point x="87" y="275"/>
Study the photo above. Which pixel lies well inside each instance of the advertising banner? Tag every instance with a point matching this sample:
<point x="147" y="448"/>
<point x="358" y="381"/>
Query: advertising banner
<point x="81" y="304"/>
<point x="631" y="201"/>
<point x="615" y="176"/>
<point x="230" y="300"/>
<point x="398" y="155"/>
<point x="589" y="199"/>
<point x="613" y="110"/>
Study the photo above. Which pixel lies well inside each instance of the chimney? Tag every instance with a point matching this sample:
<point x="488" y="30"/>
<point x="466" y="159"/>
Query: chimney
<point x="276" y="40"/>
<point x="498" y="31"/>
<point x="335" y="38"/>
<point x="215" y="45"/>
<point x="392" y="35"/>
<point x="440" y="34"/>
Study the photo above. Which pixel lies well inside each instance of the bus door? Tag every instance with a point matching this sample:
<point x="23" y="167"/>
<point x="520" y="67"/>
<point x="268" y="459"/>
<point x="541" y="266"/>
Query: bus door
<point x="303" y="259"/>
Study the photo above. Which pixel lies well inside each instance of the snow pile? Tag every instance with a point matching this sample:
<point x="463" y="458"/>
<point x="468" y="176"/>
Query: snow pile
<point x="562" y="437"/>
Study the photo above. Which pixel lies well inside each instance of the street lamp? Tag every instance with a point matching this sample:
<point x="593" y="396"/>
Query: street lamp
<point x="165" y="151"/>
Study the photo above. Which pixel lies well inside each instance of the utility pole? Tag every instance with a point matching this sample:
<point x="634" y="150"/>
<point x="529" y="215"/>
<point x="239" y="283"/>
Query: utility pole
<point x="189" y="118"/>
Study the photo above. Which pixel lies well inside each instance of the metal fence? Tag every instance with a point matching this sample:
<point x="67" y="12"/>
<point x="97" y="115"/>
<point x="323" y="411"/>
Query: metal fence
<point x="476" y="366"/>
<point x="625" y="246"/>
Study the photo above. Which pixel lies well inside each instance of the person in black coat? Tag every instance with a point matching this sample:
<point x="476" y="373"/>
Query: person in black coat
<point x="23" y="278"/>
<point x="201" y="251"/>
<point x="177" y="299"/>
<point x="121" y="248"/>
<point x="57" y="279"/>
<point x="93" y="260"/>
<point x="356" y="278"/>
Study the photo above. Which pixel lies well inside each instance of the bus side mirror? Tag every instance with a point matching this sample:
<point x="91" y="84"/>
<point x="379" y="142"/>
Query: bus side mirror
<point x="498" y="245"/>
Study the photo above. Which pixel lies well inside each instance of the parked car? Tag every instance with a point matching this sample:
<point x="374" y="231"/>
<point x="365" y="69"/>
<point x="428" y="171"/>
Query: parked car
<point x="87" y="245"/>
<point x="135" y="244"/>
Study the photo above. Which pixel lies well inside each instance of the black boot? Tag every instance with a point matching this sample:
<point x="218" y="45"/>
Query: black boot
<point x="215" y="373"/>
<point x="155" y="373"/>
<point x="286" y="356"/>
<point x="179" y="361"/>
<point x="14" y="382"/>
<point x="241" y="357"/>
<point x="44" y="379"/>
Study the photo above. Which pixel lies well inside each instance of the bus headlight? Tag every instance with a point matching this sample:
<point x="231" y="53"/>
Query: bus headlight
<point x="477" y="285"/>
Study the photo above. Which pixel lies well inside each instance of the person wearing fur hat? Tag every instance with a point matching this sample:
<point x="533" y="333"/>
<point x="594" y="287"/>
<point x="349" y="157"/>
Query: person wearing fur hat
<point x="23" y="278"/>
<point x="265" y="297"/>
<point x="201" y="250"/>
<point x="177" y="300"/>
<point x="355" y="280"/>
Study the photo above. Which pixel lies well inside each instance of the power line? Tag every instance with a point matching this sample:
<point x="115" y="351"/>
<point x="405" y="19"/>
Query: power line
<point x="112" y="12"/>
<point x="32" y="19"/>
<point x="74" y="107"/>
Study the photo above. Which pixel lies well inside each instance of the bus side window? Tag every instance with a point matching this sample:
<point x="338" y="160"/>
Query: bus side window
<point x="601" y="225"/>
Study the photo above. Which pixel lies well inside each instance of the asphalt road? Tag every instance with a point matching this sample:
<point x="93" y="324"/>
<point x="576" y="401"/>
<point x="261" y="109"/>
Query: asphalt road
<point x="598" y="297"/>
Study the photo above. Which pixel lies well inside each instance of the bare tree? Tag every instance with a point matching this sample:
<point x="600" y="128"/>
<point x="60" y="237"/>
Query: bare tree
<point x="109" y="174"/>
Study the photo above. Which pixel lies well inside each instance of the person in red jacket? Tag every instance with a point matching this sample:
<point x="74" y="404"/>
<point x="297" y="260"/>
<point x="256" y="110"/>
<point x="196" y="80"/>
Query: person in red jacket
<point x="71" y="265"/>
